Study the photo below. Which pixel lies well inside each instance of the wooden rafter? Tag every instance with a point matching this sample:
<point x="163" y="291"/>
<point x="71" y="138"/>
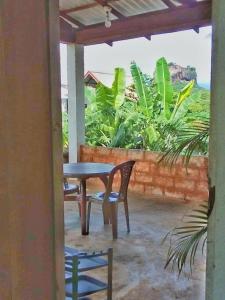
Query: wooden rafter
<point x="169" y="3"/>
<point x="196" y="29"/>
<point x="83" y="7"/>
<point x="148" y="37"/>
<point x="165" y="21"/>
<point x="79" y="8"/>
<point x="187" y="2"/>
<point x="71" y="20"/>
<point x="109" y="44"/>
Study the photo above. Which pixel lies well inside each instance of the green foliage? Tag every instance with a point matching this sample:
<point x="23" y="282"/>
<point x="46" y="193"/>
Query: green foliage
<point x="143" y="91"/>
<point x="106" y="117"/>
<point x="65" y="135"/>
<point x="158" y="103"/>
<point x="137" y="118"/>
<point x="191" y="139"/>
<point x="185" y="240"/>
<point x="184" y="93"/>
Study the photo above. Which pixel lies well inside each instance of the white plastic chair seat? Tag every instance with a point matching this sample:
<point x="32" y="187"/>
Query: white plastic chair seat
<point x="114" y="196"/>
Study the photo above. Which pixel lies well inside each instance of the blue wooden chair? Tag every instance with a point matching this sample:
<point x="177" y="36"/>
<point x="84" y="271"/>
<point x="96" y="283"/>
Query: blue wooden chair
<point x="79" y="285"/>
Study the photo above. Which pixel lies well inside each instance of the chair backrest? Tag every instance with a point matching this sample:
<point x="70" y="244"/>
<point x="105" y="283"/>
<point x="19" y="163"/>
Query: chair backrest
<point x="69" y="188"/>
<point x="125" y="170"/>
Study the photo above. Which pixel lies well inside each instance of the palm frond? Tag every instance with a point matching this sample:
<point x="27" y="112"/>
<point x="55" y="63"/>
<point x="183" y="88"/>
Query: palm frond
<point x="190" y="139"/>
<point x="185" y="240"/>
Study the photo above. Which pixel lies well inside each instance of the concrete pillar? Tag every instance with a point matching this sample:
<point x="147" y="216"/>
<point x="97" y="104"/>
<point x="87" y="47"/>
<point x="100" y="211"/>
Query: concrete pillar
<point x="31" y="196"/>
<point x="76" y="100"/>
<point x="215" y="275"/>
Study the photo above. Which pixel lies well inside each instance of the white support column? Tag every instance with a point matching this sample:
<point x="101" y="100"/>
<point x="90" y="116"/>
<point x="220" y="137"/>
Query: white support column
<point x="215" y="275"/>
<point x="76" y="99"/>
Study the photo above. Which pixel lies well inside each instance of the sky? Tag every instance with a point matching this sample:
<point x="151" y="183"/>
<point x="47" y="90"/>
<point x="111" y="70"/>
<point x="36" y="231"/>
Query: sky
<point x="184" y="48"/>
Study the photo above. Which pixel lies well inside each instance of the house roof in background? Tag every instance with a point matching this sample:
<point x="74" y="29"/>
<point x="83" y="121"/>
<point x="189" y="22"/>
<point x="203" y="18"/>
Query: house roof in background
<point x="91" y="78"/>
<point x="82" y="21"/>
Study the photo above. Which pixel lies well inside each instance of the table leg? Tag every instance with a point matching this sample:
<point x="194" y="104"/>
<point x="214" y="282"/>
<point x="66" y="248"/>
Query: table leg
<point x="84" y="227"/>
<point x="105" y="206"/>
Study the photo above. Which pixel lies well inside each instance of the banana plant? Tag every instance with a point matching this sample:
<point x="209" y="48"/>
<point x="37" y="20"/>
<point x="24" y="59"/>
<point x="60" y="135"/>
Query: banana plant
<point x="164" y="85"/>
<point x="145" y="106"/>
<point x="157" y="100"/>
<point x="104" y="121"/>
<point x="111" y="98"/>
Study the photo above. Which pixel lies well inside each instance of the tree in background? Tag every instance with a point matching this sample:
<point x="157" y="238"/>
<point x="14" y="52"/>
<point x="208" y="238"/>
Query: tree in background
<point x="149" y="114"/>
<point x="159" y="103"/>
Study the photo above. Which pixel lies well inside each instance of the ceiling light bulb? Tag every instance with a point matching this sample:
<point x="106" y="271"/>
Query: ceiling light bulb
<point x="108" y="23"/>
<point x="107" y="10"/>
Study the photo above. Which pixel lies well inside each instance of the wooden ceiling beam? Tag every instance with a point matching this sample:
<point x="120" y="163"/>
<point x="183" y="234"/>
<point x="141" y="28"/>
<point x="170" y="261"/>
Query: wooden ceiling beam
<point x="181" y="18"/>
<point x="67" y="27"/>
<point x="169" y="20"/>
<point x="67" y="32"/>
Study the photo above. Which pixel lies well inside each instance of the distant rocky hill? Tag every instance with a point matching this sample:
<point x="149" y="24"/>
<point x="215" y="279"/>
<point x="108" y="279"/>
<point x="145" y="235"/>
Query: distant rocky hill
<point x="181" y="74"/>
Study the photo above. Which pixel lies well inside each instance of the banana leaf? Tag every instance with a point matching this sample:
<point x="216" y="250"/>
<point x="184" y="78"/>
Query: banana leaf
<point x="183" y="95"/>
<point x="164" y="85"/>
<point x="118" y="87"/>
<point x="142" y="89"/>
<point x="111" y="97"/>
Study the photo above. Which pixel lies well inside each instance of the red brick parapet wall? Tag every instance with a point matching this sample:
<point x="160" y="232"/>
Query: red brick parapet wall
<point x="152" y="179"/>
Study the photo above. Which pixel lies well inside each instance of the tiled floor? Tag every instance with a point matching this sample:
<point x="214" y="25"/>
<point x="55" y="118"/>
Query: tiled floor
<point x="139" y="257"/>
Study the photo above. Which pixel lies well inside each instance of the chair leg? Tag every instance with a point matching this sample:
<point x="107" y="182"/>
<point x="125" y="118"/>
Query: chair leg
<point x="89" y="215"/>
<point x="79" y="208"/>
<point x="110" y="269"/>
<point x="114" y="219"/>
<point x="127" y="215"/>
<point x="105" y="211"/>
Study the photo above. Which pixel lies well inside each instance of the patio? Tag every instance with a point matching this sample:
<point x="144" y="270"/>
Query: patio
<point x="139" y="257"/>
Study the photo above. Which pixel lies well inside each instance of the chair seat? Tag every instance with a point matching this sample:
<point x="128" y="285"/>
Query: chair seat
<point x="100" y="196"/>
<point x="85" y="263"/>
<point x="83" y="298"/>
<point x="87" y="285"/>
<point x="70" y="188"/>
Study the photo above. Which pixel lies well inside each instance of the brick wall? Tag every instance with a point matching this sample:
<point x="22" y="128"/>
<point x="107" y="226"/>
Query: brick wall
<point x="152" y="179"/>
